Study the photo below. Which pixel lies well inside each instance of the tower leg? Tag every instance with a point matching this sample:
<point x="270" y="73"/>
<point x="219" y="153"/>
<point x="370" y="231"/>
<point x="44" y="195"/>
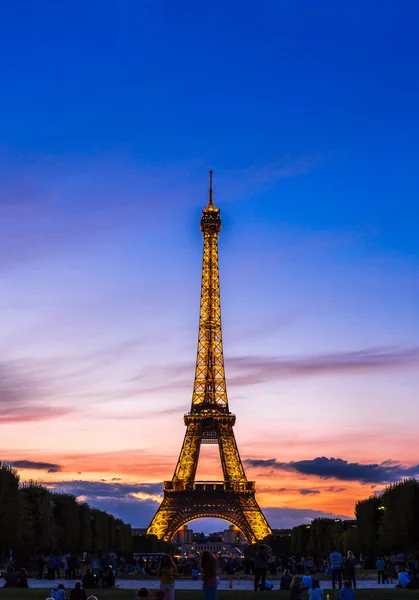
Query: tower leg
<point x="188" y="459"/>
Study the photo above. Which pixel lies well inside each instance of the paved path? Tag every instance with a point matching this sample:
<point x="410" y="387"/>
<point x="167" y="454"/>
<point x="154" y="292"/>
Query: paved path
<point x="188" y="584"/>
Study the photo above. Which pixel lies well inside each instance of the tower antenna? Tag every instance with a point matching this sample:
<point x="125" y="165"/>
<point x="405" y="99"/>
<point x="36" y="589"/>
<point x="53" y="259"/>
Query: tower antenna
<point x="210" y="189"/>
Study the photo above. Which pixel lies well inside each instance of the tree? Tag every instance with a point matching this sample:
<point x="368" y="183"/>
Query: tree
<point x="67" y="522"/>
<point x="9" y="509"/>
<point x="36" y="518"/>
<point x="85" y="528"/>
<point x="100" y="529"/>
<point x="368" y="521"/>
<point x="399" y="506"/>
<point x="300" y="536"/>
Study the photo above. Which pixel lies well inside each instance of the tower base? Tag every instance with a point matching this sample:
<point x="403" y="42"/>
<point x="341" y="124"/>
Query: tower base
<point x="233" y="502"/>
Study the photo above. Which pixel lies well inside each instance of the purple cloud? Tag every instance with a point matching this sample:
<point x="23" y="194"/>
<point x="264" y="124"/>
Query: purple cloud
<point x="337" y="468"/>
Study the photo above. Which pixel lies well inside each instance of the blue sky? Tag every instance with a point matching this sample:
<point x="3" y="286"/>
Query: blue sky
<point x="111" y="116"/>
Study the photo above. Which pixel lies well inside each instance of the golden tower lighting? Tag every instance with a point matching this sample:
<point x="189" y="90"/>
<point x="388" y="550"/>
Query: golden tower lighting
<point x="210" y="422"/>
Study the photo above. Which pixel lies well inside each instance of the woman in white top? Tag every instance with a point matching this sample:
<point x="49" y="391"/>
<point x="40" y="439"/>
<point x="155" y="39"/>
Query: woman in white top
<point x="315" y="592"/>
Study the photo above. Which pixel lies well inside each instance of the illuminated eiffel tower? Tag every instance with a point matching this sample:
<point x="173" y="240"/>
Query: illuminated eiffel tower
<point x="210" y="422"/>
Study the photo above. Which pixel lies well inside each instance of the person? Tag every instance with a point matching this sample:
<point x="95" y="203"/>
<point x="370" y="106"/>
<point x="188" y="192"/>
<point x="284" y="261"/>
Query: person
<point x="306" y="582"/>
<point x="261" y="565"/>
<point x="268" y="586"/>
<point x="315" y="592"/>
<point x="295" y="588"/>
<point x="380" y="565"/>
<point x="51" y="567"/>
<point x="230" y="571"/>
<point x="167" y="572"/>
<point x="22" y="579"/>
<point x="66" y="566"/>
<point x="57" y="561"/>
<point x="58" y="593"/>
<point x="144" y="593"/>
<point x="41" y="566"/>
<point x="88" y="580"/>
<point x="404" y="579"/>
<point x="109" y="580"/>
<point x="285" y="581"/>
<point x="78" y="593"/>
<point x="336" y="566"/>
<point x="349" y="566"/>
<point x="209" y="575"/>
<point x="10" y="578"/>
<point x="346" y="593"/>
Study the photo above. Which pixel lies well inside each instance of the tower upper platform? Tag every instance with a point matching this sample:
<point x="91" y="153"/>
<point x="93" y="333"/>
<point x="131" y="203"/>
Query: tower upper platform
<point x="210" y="220"/>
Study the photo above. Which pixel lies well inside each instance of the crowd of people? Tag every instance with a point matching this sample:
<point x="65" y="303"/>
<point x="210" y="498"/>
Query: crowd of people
<point x="294" y="575"/>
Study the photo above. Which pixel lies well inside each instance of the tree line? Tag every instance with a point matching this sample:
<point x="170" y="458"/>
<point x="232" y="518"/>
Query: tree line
<point x="384" y="524"/>
<point x="34" y="519"/>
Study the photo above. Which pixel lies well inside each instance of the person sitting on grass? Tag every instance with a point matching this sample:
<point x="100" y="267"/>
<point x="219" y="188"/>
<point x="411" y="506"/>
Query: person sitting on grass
<point x="346" y="592"/>
<point x="142" y="594"/>
<point x="315" y="592"/>
<point x="285" y="581"/>
<point x="10" y="578"/>
<point x="268" y="586"/>
<point x="59" y="593"/>
<point x="295" y="588"/>
<point x="22" y="579"/>
<point x="88" y="580"/>
<point x="109" y="580"/>
<point x="78" y="593"/>
<point x="404" y="579"/>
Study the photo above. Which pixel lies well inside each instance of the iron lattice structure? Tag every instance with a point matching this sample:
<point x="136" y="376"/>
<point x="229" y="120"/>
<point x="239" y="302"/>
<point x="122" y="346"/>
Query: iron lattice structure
<point x="210" y="421"/>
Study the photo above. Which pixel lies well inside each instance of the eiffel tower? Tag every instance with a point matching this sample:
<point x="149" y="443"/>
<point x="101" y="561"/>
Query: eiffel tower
<point x="210" y="422"/>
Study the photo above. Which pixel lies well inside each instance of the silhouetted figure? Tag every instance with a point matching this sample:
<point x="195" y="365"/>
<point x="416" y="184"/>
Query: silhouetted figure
<point x="295" y="588"/>
<point x="41" y="566"/>
<point x="78" y="593"/>
<point x="10" y="578"/>
<point x="285" y="580"/>
<point x="22" y="579"/>
<point x="88" y="580"/>
<point x="261" y="565"/>
<point x="109" y="580"/>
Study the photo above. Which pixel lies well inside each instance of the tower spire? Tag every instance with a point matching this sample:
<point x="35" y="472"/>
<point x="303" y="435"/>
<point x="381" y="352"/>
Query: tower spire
<point x="210" y="202"/>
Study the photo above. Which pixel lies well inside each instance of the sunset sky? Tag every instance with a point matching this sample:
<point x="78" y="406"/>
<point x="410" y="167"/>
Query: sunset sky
<point x="112" y="113"/>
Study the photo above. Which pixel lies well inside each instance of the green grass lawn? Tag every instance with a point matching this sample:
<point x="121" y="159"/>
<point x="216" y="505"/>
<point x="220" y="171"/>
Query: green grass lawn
<point x="42" y="594"/>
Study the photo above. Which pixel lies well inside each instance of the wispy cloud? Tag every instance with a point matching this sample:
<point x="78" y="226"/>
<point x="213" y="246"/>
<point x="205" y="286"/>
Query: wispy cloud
<point x="247" y="370"/>
<point x="337" y="468"/>
<point x="254" y="370"/>
<point x="23" y="397"/>
<point x="308" y="492"/>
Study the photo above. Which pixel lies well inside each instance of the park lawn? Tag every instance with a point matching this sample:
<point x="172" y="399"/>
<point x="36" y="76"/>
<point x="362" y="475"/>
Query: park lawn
<point x="121" y="594"/>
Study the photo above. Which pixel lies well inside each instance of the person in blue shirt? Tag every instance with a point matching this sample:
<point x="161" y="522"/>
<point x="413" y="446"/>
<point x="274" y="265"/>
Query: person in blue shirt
<point x="315" y="592"/>
<point x="380" y="565"/>
<point x="346" y="593"/>
<point x="336" y="561"/>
